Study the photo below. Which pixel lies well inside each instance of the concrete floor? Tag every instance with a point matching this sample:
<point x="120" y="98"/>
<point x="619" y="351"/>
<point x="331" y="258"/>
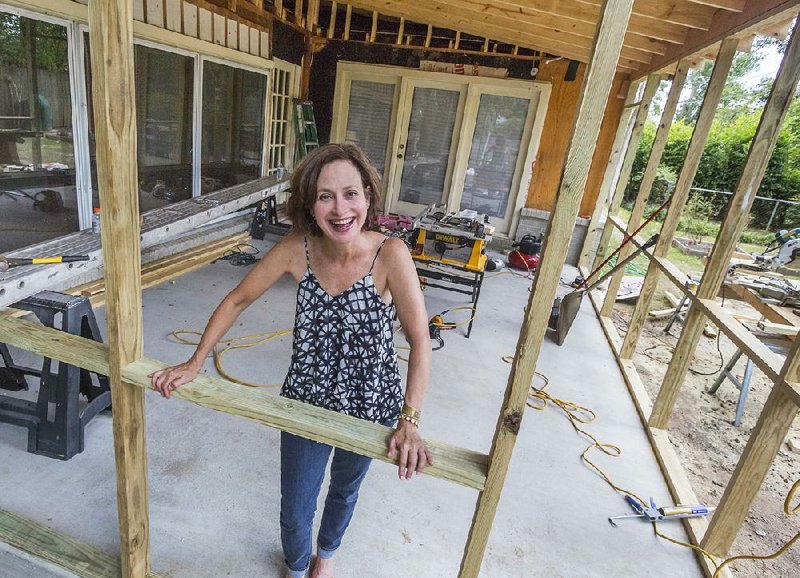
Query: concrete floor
<point x="214" y="479"/>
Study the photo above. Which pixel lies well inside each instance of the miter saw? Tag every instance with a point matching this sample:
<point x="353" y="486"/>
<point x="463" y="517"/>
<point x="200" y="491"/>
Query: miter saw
<point x="781" y="251"/>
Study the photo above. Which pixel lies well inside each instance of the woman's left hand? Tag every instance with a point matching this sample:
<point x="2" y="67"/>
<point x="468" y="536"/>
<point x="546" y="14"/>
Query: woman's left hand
<point x="414" y="455"/>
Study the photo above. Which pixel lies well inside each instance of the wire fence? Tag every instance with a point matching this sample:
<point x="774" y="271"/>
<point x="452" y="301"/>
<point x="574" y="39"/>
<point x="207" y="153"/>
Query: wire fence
<point x="767" y="213"/>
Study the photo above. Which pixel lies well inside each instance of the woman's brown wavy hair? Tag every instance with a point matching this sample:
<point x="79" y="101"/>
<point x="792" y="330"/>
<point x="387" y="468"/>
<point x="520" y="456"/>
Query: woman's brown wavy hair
<point x="304" y="185"/>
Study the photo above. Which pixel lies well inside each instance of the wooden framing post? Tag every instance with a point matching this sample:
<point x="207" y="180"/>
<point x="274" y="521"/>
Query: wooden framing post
<point x="697" y="143"/>
<point x="648" y="178"/>
<point x="650" y="88"/>
<point x="113" y="94"/>
<point x="612" y="167"/>
<point x="594" y="93"/>
<point x="771" y="430"/>
<point x="735" y="221"/>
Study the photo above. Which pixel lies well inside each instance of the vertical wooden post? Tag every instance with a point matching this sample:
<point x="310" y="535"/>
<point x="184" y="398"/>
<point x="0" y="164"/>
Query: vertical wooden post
<point x="113" y="95"/>
<point x="697" y="143"/>
<point x="401" y="30"/>
<point x="332" y="21"/>
<point x="348" y="14"/>
<point x="428" y="35"/>
<point x="649" y="176"/>
<point x="594" y="93"/>
<point x="653" y="81"/>
<point x="373" y="32"/>
<point x="771" y="430"/>
<point x="738" y="214"/>
<point x="609" y="176"/>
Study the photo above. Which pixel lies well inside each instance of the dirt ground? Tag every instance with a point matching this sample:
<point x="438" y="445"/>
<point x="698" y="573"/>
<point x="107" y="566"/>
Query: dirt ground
<point x="708" y="443"/>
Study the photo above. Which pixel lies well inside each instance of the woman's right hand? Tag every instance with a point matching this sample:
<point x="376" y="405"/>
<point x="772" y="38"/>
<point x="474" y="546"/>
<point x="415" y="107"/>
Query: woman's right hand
<point x="167" y="380"/>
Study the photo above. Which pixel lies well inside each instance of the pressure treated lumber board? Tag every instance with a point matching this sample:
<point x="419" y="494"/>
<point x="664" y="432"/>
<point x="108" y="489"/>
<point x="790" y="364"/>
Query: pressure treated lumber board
<point x="459" y="465"/>
<point x="159" y="225"/>
<point x="67" y="552"/>
<point x="114" y="108"/>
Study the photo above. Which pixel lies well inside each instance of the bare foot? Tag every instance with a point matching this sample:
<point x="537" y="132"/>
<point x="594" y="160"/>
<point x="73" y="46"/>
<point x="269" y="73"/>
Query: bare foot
<point x="323" y="568"/>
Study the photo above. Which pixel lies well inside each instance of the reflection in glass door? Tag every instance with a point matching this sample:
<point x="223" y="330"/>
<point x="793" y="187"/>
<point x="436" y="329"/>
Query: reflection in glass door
<point x="425" y="161"/>
<point x="493" y="157"/>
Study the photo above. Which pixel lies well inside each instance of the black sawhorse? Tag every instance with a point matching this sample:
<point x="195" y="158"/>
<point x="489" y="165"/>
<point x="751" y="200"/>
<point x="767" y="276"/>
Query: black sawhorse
<point x="456" y="278"/>
<point x="56" y="421"/>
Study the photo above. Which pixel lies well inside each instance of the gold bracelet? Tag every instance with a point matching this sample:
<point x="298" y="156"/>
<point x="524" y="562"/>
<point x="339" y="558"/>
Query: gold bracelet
<point x="410" y="411"/>
<point x="409" y="419"/>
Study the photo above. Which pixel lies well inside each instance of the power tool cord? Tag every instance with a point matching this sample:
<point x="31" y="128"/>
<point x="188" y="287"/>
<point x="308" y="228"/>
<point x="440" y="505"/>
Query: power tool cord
<point x="539" y="399"/>
<point x="243" y="254"/>
<point x="231" y="344"/>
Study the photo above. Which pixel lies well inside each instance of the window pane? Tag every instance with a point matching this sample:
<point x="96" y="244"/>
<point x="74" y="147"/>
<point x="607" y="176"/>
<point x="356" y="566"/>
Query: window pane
<point x="280" y="123"/>
<point x="163" y="126"/>
<point x="38" y="199"/>
<point x="370" y="111"/>
<point x="430" y="134"/>
<point x="233" y="126"/>
<point x="493" y="157"/>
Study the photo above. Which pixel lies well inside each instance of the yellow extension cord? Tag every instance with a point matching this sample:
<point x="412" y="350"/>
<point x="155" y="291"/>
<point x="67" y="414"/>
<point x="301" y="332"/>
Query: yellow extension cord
<point x="539" y="399"/>
<point x="230" y="344"/>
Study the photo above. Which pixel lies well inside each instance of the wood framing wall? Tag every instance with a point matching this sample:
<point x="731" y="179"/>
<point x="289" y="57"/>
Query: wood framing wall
<point x="111" y="30"/>
<point x="783" y="403"/>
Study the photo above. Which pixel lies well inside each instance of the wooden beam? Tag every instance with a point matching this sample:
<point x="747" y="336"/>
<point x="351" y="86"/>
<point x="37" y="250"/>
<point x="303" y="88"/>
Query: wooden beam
<point x="113" y="94"/>
<point x="452" y="463"/>
<point x="540" y="38"/>
<point x="594" y="94"/>
<point x="766" y="439"/>
<point x="70" y="554"/>
<point x="623" y="174"/>
<point x="653" y="82"/>
<point x="763" y="358"/>
<point x="680" y="194"/>
<point x="726" y="24"/>
<point x="332" y="21"/>
<point x="682" y="13"/>
<point x="373" y="32"/>
<point x="648" y="178"/>
<point x="737" y="217"/>
<point x="428" y="36"/>
<point x="603" y="201"/>
<point x="521" y="19"/>
<point x="401" y="31"/>
<point x="347" y="16"/>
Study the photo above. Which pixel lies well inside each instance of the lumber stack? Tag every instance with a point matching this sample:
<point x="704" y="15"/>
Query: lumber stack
<point x="168" y="268"/>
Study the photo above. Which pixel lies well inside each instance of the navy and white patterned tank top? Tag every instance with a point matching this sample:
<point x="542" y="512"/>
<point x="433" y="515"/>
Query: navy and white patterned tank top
<point x="343" y="355"/>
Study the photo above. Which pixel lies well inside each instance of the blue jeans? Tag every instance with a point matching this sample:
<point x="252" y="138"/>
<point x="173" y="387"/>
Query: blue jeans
<point x="303" y="465"/>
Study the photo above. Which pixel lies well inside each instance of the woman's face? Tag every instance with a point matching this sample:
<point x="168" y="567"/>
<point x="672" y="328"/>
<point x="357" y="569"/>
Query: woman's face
<point x="340" y="209"/>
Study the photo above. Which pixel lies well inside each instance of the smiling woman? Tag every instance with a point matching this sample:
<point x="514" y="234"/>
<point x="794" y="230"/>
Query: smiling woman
<point x="351" y="281"/>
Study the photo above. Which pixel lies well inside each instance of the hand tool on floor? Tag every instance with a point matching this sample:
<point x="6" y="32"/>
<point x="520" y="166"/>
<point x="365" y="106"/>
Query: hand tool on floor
<point x="566" y="308"/>
<point x="7" y="263"/>
<point x="653" y="513"/>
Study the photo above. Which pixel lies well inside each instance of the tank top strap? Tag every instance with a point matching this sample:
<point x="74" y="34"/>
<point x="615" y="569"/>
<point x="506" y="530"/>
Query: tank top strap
<point x="305" y="244"/>
<point x="378" y="252"/>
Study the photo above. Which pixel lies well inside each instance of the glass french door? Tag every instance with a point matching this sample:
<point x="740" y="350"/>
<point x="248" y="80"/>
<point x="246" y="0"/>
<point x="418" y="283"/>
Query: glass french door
<point x="466" y="143"/>
<point x="494" y="157"/>
<point x="425" y="147"/>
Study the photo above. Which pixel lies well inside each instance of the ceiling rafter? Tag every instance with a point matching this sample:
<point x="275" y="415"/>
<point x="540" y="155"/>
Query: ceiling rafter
<point x="577" y="10"/>
<point x="676" y="11"/>
<point x="521" y="18"/>
<point x="538" y="38"/>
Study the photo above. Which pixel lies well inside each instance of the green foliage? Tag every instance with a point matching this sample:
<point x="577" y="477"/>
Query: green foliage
<point x="728" y="144"/>
<point x="696" y="218"/>
<point x="48" y="41"/>
<point x="755" y="237"/>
